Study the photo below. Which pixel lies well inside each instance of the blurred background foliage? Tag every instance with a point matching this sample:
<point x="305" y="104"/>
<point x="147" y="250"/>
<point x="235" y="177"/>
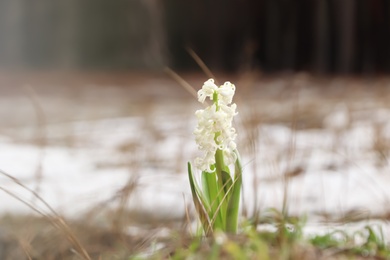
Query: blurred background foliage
<point x="325" y="36"/>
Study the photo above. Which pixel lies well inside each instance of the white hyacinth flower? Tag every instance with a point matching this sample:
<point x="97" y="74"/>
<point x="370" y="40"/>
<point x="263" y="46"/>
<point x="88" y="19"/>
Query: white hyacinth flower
<point x="207" y="90"/>
<point x="214" y="130"/>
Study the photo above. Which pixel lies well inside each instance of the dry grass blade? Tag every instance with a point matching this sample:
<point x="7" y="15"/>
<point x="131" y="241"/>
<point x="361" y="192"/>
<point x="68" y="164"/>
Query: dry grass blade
<point x="187" y="213"/>
<point x="36" y="195"/>
<point x="201" y="64"/>
<point x="123" y="196"/>
<point x="57" y="221"/>
<point x="182" y="82"/>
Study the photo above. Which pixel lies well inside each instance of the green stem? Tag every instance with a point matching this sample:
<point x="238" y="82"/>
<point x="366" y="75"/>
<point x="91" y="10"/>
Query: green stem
<point x="213" y="190"/>
<point x="215" y="100"/>
<point x="221" y="205"/>
<point x="219" y="166"/>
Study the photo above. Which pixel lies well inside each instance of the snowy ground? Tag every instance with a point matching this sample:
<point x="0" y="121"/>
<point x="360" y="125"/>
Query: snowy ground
<point x="80" y="147"/>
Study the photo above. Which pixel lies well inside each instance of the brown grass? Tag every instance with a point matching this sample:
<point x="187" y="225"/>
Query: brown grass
<point x="298" y="101"/>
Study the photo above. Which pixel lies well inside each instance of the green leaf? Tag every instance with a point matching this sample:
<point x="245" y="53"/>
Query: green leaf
<point x="201" y="194"/>
<point x="199" y="206"/>
<point x="206" y="186"/>
<point x="234" y="202"/>
<point x="227" y="181"/>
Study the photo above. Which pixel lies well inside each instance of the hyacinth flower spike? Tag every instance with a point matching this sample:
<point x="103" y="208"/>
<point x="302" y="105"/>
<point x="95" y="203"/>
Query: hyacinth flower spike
<point x="217" y="198"/>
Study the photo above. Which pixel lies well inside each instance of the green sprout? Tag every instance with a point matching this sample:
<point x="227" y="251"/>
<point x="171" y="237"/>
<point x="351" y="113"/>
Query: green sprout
<point x="217" y="199"/>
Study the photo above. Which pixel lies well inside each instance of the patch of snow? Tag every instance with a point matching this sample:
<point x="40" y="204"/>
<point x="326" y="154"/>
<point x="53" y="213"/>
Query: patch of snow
<point x="335" y="172"/>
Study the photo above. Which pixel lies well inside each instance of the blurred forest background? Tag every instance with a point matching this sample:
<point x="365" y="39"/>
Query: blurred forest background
<point x="324" y="36"/>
